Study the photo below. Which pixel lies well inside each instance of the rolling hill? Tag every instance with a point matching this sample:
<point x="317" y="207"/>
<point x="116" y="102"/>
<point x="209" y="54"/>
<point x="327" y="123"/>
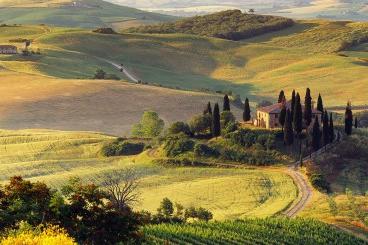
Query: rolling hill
<point x="68" y="13"/>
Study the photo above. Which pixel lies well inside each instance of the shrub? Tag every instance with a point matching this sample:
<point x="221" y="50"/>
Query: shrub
<point x="319" y="182"/>
<point x="105" y="30"/>
<point x="203" y="150"/>
<point x="178" y="144"/>
<point x="230" y="127"/>
<point x="122" y="148"/>
<point x="266" y="140"/>
<point x="201" y="124"/>
<point x="179" y="127"/>
<point x="200" y="213"/>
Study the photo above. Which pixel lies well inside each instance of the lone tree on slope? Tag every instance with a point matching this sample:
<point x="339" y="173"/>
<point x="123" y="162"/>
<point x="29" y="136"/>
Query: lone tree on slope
<point x="348" y="120"/>
<point x="226" y="106"/>
<point x="298" y="116"/>
<point x="288" y="129"/>
<point x="316" y="135"/>
<point x="281" y="96"/>
<point x="216" y="124"/>
<point x="320" y="103"/>
<point x="308" y="108"/>
<point x="246" y="112"/>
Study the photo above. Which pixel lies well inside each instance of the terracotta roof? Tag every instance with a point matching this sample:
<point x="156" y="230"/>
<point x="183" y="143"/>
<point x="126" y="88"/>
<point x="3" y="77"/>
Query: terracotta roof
<point x="276" y="108"/>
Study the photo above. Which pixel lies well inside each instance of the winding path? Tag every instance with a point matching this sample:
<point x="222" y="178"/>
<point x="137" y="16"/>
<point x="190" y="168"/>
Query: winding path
<point x="123" y="69"/>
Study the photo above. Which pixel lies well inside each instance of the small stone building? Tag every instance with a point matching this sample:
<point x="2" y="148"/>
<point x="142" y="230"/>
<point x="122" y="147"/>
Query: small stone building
<point x="268" y="116"/>
<point x="8" y="49"/>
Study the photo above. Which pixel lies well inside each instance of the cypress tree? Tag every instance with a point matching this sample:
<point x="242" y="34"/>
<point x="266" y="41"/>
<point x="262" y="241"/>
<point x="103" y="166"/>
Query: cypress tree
<point x="316" y="135"/>
<point x="292" y="105"/>
<point x="282" y="116"/>
<point x="298" y="116"/>
<point x="331" y="129"/>
<point x="216" y="124"/>
<point x="348" y="120"/>
<point x="308" y="108"/>
<point x="288" y="129"/>
<point x="356" y="122"/>
<point x="246" y="112"/>
<point x="208" y="109"/>
<point x="226" y="106"/>
<point x="325" y="129"/>
<point x="320" y="103"/>
<point x="281" y="96"/>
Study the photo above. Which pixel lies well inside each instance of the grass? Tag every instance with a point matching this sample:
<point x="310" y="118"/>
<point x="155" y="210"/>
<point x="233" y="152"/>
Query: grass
<point x="306" y="55"/>
<point x="55" y="156"/>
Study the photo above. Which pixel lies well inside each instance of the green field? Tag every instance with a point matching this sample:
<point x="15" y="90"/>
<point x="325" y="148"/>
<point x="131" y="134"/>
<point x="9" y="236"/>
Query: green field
<point x="249" y="231"/>
<point x="306" y="54"/>
<point x="56" y="156"/>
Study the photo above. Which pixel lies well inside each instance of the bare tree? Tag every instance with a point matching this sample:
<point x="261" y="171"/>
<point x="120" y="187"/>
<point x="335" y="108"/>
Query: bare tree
<point x="122" y="187"/>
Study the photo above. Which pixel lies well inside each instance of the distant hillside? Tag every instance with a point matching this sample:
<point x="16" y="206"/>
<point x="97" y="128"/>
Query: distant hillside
<point x="230" y="24"/>
<point x="80" y="13"/>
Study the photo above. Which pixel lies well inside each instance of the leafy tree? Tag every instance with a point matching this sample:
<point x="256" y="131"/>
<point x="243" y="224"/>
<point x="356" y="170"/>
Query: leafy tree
<point x="200" y="124"/>
<point x="308" y="108"/>
<point x="246" y="112"/>
<point x="179" y="127"/>
<point x="151" y="125"/>
<point x="288" y="129"/>
<point x="100" y="74"/>
<point x="226" y="118"/>
<point x="348" y="119"/>
<point x="316" y="135"/>
<point x="226" y="106"/>
<point x="320" y="103"/>
<point x="331" y="129"/>
<point x="326" y="129"/>
<point x="216" y="123"/>
<point x="166" y="208"/>
<point x="292" y="106"/>
<point x="282" y="116"/>
<point x="298" y="115"/>
<point x="208" y="109"/>
<point x="281" y="97"/>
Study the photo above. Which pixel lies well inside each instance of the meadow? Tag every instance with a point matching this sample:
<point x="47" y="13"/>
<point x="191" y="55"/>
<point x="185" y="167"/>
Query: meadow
<point x="56" y="156"/>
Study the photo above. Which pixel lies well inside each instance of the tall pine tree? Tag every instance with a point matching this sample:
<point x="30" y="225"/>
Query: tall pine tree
<point x="208" y="109"/>
<point x="320" y="103"/>
<point x="316" y="135"/>
<point x="282" y="116"/>
<point x="281" y="96"/>
<point x="348" y="120"/>
<point x="331" y="129"/>
<point x="298" y="115"/>
<point x="226" y="106"/>
<point x="246" y="112"/>
<point x="216" y="124"/>
<point x="288" y="129"/>
<point x="326" y="129"/>
<point x="292" y="106"/>
<point x="308" y="108"/>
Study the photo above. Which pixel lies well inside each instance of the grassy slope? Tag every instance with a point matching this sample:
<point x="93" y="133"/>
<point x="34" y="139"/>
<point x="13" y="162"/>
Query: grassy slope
<point x="94" y="13"/>
<point x="55" y="156"/>
<point x="301" y="56"/>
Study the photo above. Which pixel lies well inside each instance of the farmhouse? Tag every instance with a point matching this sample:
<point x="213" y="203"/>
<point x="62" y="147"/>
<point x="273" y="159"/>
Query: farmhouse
<point x="268" y="117"/>
<point x="8" y="49"/>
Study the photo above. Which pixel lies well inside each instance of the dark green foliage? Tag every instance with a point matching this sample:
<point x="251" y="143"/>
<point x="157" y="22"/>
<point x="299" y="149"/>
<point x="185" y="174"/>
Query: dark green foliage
<point x="105" y="30"/>
<point x="267" y="141"/>
<point x="292" y="107"/>
<point x="246" y="112"/>
<point x="282" y="116"/>
<point x="320" y="103"/>
<point x="230" y="127"/>
<point x="175" y="145"/>
<point x="230" y="24"/>
<point x="208" y="109"/>
<point x="179" y="127"/>
<point x="166" y="208"/>
<point x="298" y="115"/>
<point x="203" y="150"/>
<point x="326" y="129"/>
<point x="288" y="129"/>
<point x="201" y="214"/>
<point x="356" y="122"/>
<point x="331" y="129"/>
<point x="281" y="97"/>
<point x="348" y="120"/>
<point x="308" y="108"/>
<point x="216" y="123"/>
<point x="226" y="106"/>
<point x="253" y="157"/>
<point x="122" y="148"/>
<point x="226" y="118"/>
<point x="100" y="74"/>
<point x="319" y="182"/>
<point x="316" y="135"/>
<point x="201" y="124"/>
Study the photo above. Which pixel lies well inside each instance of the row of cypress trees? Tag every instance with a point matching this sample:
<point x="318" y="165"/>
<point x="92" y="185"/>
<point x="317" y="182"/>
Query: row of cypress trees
<point x="215" y="115"/>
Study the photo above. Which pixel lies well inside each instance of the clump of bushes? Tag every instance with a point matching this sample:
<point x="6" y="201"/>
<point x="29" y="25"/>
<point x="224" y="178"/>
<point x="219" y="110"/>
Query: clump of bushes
<point x="102" y="75"/>
<point x="203" y="150"/>
<point x="175" y="145"/>
<point x="122" y="148"/>
<point x="105" y="30"/>
<point x="179" y="127"/>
